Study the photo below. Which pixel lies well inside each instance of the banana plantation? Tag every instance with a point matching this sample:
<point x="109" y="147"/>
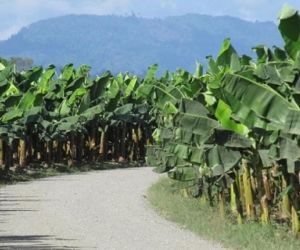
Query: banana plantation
<point x="70" y="118"/>
<point x="229" y="133"/>
<point x="230" y="136"/>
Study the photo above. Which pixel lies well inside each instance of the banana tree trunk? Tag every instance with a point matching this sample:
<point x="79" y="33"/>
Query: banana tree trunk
<point x="38" y="149"/>
<point x="141" y="143"/>
<point x="15" y="152"/>
<point x="123" y="155"/>
<point x="102" y="148"/>
<point x="295" y="222"/>
<point x="241" y="191"/>
<point x="29" y="149"/>
<point x="130" y="143"/>
<point x="49" y="151"/>
<point x="8" y="157"/>
<point x="249" y="203"/>
<point x="22" y="153"/>
<point x="79" y="147"/>
<point x="285" y="207"/>
<point x="59" y="151"/>
<point x="267" y="185"/>
<point x="295" y="201"/>
<point x="149" y="140"/>
<point x="259" y="182"/>
<point x="234" y="203"/>
<point x="285" y="203"/>
<point x="1" y="154"/>
<point x="116" y="143"/>
<point x="135" y="138"/>
<point x="73" y="148"/>
<point x="265" y="216"/>
<point x="222" y="204"/>
<point x="264" y="200"/>
<point x="92" y="145"/>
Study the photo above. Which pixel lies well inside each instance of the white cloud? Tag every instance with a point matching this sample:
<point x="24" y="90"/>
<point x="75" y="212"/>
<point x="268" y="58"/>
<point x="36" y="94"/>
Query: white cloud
<point x="6" y="33"/>
<point x="17" y="13"/>
<point x="20" y="13"/>
<point x="168" y="4"/>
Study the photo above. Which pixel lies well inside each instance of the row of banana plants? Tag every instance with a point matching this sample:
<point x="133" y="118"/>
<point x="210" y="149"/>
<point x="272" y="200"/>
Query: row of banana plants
<point x="230" y="135"/>
<point x="48" y="117"/>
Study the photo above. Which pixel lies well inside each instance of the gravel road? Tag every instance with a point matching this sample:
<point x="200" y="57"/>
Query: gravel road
<point x="95" y="210"/>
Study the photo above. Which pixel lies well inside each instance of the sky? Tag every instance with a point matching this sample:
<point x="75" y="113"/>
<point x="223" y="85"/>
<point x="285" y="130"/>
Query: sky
<point x="15" y="14"/>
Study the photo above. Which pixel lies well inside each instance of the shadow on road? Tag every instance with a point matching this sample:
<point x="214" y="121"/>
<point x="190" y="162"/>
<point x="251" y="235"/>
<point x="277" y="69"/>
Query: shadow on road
<point x="34" y="242"/>
<point x="9" y="206"/>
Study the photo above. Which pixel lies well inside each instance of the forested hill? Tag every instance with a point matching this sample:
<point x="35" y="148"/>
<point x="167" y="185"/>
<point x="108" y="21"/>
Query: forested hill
<point x="133" y="43"/>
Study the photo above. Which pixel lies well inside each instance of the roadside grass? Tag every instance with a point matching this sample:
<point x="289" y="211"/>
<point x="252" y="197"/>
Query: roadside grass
<point x="206" y="222"/>
<point x="38" y="171"/>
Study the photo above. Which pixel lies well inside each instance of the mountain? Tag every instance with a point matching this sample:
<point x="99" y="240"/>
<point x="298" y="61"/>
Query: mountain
<point x="132" y="43"/>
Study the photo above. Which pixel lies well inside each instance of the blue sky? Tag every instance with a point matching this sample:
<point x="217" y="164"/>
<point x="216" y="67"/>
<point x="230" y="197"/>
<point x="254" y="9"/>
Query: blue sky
<point x="15" y="14"/>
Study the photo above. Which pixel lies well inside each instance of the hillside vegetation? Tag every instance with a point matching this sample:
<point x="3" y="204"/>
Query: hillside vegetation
<point x="131" y="43"/>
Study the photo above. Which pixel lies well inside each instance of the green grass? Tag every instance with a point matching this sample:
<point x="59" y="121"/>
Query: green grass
<point x="39" y="172"/>
<point x="206" y="222"/>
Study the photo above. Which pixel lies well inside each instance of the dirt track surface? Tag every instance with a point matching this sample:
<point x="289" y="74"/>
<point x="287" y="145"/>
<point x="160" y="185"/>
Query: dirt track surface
<point x="96" y="210"/>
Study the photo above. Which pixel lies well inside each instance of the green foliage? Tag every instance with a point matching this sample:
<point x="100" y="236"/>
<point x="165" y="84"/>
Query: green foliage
<point x="242" y="121"/>
<point x="231" y="132"/>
